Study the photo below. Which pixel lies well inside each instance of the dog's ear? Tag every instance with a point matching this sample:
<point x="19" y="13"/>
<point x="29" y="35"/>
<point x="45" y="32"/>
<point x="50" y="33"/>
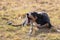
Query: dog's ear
<point x="34" y="14"/>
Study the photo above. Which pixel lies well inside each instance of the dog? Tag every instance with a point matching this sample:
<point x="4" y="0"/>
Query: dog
<point x="40" y="19"/>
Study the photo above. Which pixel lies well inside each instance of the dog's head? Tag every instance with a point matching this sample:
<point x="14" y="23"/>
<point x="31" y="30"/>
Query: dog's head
<point x="34" y="15"/>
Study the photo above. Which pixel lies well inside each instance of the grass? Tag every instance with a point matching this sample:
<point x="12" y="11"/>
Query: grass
<point x="13" y="9"/>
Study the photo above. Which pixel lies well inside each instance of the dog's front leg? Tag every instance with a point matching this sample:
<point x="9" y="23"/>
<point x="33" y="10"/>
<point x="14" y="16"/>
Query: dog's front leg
<point x="31" y="28"/>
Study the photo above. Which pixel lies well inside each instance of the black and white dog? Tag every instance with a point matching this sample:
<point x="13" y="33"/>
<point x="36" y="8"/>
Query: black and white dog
<point x="40" y="19"/>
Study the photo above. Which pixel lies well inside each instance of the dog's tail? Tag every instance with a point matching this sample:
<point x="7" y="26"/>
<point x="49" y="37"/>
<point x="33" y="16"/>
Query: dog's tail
<point x="58" y="30"/>
<point x="53" y="29"/>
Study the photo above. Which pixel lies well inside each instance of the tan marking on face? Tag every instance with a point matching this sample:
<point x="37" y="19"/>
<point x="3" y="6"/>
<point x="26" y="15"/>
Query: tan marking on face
<point x="33" y="19"/>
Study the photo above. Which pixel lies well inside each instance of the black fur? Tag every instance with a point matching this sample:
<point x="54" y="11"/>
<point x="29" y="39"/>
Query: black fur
<point x="42" y="18"/>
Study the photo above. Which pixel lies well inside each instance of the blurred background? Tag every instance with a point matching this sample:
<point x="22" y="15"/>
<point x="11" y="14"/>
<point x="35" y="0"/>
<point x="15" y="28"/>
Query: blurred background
<point x="13" y="10"/>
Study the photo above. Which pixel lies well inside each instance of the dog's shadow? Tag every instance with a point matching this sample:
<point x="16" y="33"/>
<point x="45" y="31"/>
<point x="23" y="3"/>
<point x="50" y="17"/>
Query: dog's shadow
<point x="44" y="30"/>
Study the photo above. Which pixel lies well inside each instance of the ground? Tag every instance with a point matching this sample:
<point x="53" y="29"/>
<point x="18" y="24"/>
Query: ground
<point x="11" y="10"/>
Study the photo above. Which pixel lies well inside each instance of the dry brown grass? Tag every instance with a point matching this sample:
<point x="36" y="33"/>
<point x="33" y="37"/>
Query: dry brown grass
<point x="12" y="9"/>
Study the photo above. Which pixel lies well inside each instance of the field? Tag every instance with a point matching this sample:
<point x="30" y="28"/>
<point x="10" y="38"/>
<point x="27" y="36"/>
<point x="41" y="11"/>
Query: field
<point x="11" y="10"/>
